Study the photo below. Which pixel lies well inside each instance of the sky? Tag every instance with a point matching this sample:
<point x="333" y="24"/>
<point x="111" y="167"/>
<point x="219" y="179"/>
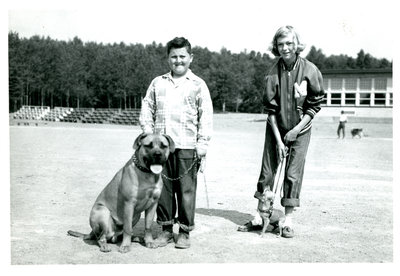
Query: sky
<point x="336" y="27"/>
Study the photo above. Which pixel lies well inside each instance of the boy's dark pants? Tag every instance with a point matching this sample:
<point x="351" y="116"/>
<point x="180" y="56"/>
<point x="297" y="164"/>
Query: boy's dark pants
<point x="184" y="189"/>
<point x="341" y="127"/>
<point x="294" y="170"/>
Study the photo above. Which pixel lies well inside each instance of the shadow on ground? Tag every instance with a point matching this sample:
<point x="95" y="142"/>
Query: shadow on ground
<point x="234" y="216"/>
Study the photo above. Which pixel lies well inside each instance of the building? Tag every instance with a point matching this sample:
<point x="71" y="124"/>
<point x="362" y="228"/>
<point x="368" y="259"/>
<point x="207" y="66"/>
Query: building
<point x="358" y="88"/>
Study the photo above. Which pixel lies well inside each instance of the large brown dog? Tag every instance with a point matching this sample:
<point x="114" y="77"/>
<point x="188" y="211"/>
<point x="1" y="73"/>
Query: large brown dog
<point x="134" y="189"/>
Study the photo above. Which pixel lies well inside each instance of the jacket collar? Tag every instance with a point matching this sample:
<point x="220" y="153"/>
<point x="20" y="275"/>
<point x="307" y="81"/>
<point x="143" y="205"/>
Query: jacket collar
<point x="189" y="75"/>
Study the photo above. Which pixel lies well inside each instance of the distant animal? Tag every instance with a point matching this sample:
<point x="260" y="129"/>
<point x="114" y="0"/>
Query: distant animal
<point x="135" y="188"/>
<point x="269" y="215"/>
<point x="357" y="132"/>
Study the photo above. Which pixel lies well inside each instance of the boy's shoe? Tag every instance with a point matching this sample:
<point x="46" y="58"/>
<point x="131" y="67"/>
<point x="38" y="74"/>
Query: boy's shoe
<point x="287" y="232"/>
<point x="183" y="241"/>
<point x="164" y="238"/>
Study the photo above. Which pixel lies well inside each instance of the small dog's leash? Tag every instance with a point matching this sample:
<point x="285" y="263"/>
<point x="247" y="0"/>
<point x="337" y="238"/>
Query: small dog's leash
<point x="278" y="181"/>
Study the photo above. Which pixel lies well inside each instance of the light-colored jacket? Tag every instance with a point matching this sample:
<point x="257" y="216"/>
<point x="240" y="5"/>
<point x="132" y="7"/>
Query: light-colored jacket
<point x="182" y="110"/>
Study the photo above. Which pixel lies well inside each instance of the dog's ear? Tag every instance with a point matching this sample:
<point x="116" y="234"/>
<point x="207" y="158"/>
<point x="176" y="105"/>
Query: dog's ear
<point x="258" y="195"/>
<point x="171" y="143"/>
<point x="137" y="143"/>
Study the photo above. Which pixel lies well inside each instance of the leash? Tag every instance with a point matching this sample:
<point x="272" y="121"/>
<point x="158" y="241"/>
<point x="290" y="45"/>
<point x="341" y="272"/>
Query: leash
<point x="201" y="170"/>
<point x="193" y="165"/>
<point x="279" y="177"/>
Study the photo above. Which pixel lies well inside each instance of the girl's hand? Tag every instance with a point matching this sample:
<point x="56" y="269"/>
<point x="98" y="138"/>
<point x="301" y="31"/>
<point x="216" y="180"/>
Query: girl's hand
<point x="291" y="136"/>
<point x="282" y="150"/>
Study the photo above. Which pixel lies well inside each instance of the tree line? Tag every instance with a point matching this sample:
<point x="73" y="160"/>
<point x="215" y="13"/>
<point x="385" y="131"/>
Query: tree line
<point x="49" y="72"/>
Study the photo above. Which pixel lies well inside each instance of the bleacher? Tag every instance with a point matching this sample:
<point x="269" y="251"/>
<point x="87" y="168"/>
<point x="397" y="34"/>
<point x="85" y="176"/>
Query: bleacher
<point x="79" y="115"/>
<point x="126" y="117"/>
<point x="100" y="116"/>
<point x="57" y="114"/>
<point x="28" y="112"/>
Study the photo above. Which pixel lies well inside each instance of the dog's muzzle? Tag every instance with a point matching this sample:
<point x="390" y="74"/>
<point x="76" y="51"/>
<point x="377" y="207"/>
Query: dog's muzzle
<point x="155" y="161"/>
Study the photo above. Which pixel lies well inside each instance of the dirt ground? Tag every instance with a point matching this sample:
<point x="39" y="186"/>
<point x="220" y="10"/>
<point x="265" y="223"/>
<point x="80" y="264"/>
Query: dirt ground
<point x="346" y="213"/>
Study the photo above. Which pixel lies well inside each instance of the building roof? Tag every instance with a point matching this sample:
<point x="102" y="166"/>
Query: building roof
<point x="356" y="71"/>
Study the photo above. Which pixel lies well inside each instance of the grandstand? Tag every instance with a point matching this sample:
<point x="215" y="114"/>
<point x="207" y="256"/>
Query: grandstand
<point x="32" y="112"/>
<point x="126" y="117"/>
<point x="78" y="115"/>
<point x="57" y="114"/>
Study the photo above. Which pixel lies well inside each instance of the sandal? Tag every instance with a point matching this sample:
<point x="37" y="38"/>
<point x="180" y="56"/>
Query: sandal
<point x="287" y="232"/>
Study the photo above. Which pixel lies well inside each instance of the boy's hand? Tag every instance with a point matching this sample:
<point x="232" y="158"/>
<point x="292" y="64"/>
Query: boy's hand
<point x="201" y="152"/>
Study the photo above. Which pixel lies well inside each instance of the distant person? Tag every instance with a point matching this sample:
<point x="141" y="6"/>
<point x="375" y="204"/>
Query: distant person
<point x="292" y="97"/>
<point x="178" y="104"/>
<point x="342" y="124"/>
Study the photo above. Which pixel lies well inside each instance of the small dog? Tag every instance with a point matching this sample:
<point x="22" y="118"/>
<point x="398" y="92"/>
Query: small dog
<point x="269" y="215"/>
<point x="357" y="132"/>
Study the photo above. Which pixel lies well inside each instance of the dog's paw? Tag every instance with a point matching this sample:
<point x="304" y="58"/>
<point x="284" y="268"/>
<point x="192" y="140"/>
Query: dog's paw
<point x="137" y="239"/>
<point x="151" y="244"/>
<point x="124" y="249"/>
<point x="105" y="248"/>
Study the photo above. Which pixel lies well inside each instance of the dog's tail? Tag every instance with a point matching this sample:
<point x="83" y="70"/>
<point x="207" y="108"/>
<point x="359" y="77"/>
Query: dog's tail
<point x="89" y="236"/>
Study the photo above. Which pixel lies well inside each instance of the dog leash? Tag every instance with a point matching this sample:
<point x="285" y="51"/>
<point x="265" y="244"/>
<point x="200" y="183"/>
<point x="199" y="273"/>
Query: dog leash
<point x="193" y="166"/>
<point x="278" y="181"/>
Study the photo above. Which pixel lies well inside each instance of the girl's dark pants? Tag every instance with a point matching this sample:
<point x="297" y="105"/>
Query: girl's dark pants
<point x="294" y="170"/>
<point x="179" y="195"/>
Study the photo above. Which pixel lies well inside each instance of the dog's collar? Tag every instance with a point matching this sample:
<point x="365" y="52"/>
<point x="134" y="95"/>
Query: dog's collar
<point x="269" y="211"/>
<point x="136" y="162"/>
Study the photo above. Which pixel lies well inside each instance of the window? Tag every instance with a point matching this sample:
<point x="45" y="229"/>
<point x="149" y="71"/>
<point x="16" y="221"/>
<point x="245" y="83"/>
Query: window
<point x="365" y="83"/>
<point x="326" y="83"/>
<point x="380" y="98"/>
<point x="350" y="99"/>
<point x="336" y="84"/>
<point x="380" y="83"/>
<point x="336" y="98"/>
<point x="351" y="84"/>
<point x="365" y="98"/>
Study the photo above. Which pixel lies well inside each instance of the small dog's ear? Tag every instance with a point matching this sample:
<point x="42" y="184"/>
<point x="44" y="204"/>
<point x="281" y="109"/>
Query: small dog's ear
<point x="171" y="143"/>
<point x="138" y="139"/>
<point x="258" y="195"/>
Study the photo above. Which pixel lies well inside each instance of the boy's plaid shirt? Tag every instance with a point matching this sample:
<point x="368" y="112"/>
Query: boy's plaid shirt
<point x="182" y="110"/>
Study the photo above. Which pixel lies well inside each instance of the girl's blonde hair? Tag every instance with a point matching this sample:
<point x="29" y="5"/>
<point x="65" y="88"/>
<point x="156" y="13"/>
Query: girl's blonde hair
<point x="284" y="31"/>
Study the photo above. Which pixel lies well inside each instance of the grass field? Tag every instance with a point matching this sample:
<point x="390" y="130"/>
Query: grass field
<point x="346" y="213"/>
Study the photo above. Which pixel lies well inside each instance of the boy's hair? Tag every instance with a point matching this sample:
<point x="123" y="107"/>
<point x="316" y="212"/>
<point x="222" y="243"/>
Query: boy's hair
<point x="284" y="31"/>
<point x="179" y="42"/>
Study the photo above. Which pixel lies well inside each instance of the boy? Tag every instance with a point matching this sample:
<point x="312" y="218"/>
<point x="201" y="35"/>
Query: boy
<point x="293" y="93"/>
<point x="342" y="124"/>
<point x="179" y="104"/>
